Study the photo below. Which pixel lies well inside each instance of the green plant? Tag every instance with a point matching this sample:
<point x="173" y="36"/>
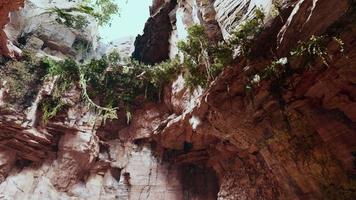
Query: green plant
<point x="163" y="73"/>
<point x="276" y="70"/>
<point x="340" y="43"/>
<point x="51" y="107"/>
<point x="203" y="61"/>
<point x="242" y="37"/>
<point x="276" y="8"/>
<point x="106" y="83"/>
<point x="119" y="84"/>
<point x="65" y="73"/>
<point x="279" y="70"/>
<point x="101" y="82"/>
<point x="196" y="59"/>
<point x="17" y="78"/>
<point x="315" y="46"/>
<point x="276" y="73"/>
<point x="221" y="55"/>
<point x="102" y="10"/>
<point x="66" y="17"/>
<point x="107" y="112"/>
<point x="82" y="45"/>
<point x="22" y="79"/>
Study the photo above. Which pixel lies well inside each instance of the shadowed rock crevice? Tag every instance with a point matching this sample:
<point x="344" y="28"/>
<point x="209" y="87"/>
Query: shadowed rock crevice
<point x="199" y="182"/>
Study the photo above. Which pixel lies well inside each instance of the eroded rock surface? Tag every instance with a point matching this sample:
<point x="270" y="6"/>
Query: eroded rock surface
<point x="7" y="6"/>
<point x="294" y="141"/>
<point x="153" y="46"/>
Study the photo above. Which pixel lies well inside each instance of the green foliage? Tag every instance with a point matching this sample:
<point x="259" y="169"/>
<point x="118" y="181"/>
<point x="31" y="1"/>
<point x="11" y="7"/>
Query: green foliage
<point x="315" y="46"/>
<point x="221" y="55"/>
<point x="275" y="71"/>
<point x="17" y="77"/>
<point x="108" y="112"/>
<point x="82" y="45"/>
<point x="276" y="7"/>
<point x="101" y="10"/>
<point x="30" y="59"/>
<point x="202" y="61"/>
<point x="120" y="85"/>
<point x="99" y="78"/>
<point x="159" y="75"/>
<point x="242" y="37"/>
<point x="279" y="70"/>
<point x="106" y="84"/>
<point x="65" y="72"/>
<point x="22" y="79"/>
<point x="164" y="72"/>
<point x="51" y="107"/>
<point x="66" y="17"/>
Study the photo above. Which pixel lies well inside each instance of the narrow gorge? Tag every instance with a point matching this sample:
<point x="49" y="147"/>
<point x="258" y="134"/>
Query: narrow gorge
<point x="216" y="99"/>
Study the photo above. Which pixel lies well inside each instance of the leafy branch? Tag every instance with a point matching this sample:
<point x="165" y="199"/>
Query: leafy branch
<point x="104" y="112"/>
<point x="112" y="84"/>
<point x="101" y="10"/>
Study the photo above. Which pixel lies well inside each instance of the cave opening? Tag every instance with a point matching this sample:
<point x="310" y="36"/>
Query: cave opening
<point x="199" y="182"/>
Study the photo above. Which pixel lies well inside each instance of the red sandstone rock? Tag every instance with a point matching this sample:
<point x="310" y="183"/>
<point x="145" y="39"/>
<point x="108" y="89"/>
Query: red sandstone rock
<point x="7" y="6"/>
<point x="223" y="143"/>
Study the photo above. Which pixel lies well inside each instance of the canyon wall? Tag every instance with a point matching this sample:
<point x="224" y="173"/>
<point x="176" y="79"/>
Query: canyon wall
<point x="6" y="7"/>
<point x="37" y="24"/>
<point x="294" y="140"/>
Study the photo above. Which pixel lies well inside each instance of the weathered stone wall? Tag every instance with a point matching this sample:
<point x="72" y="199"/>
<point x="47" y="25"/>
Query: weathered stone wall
<point x="300" y="144"/>
<point x="153" y="45"/>
<point x="36" y="27"/>
<point x="7" y="6"/>
<point x="297" y="142"/>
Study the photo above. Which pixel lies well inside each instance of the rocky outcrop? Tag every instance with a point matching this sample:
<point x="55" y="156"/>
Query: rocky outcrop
<point x="37" y="25"/>
<point x="294" y="139"/>
<point x="275" y="139"/>
<point x="201" y="12"/>
<point x="156" y="5"/>
<point x="300" y="26"/>
<point x="230" y="13"/>
<point x="6" y="7"/>
<point x="153" y="46"/>
<point x="304" y="116"/>
<point x="119" y="163"/>
<point x="124" y="46"/>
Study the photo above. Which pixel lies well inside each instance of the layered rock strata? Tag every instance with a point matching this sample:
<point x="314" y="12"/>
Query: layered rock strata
<point x="294" y="140"/>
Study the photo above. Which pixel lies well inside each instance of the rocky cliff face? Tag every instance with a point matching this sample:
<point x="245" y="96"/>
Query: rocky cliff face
<point x="153" y="45"/>
<point x="36" y="27"/>
<point x="287" y="138"/>
<point x="6" y="7"/>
